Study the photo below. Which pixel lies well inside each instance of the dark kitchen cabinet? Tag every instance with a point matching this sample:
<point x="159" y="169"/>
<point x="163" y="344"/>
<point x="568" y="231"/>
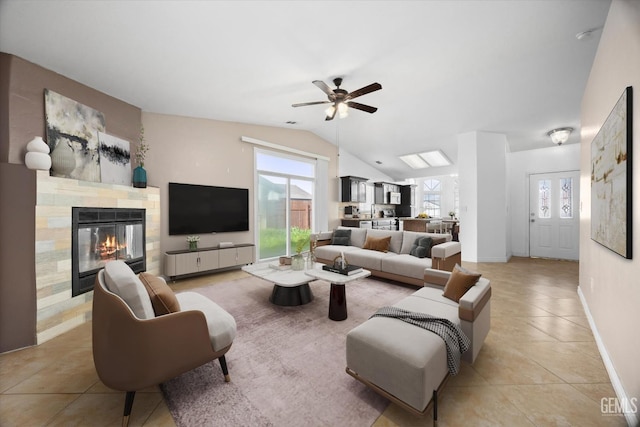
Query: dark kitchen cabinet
<point x="407" y="201"/>
<point x="354" y="189"/>
<point x="381" y="192"/>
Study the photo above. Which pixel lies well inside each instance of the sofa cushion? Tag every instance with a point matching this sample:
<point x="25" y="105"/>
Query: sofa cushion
<point x="122" y="281"/>
<point x="358" y="235"/>
<point x="436" y="305"/>
<point x="409" y="238"/>
<point x="380" y="244"/>
<point x="396" y="238"/>
<point x="406" y="265"/>
<point x="460" y="281"/>
<point x="421" y="247"/>
<point x="163" y="299"/>
<point x="341" y="237"/>
<point x="367" y="258"/>
<point x="329" y="252"/>
<point x="222" y="326"/>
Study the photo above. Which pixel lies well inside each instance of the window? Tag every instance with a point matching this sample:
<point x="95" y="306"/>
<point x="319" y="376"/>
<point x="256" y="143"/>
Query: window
<point x="285" y="200"/>
<point x="432" y="197"/>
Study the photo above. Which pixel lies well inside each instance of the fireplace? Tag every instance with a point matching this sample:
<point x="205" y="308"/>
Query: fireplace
<point x="100" y="235"/>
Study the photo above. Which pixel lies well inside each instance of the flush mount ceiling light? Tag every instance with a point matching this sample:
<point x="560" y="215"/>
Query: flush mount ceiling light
<point x="560" y="136"/>
<point x="427" y="159"/>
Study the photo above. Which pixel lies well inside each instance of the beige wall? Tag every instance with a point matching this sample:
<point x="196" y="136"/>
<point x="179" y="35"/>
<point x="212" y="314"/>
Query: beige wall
<point x="210" y="152"/>
<point x="609" y="283"/>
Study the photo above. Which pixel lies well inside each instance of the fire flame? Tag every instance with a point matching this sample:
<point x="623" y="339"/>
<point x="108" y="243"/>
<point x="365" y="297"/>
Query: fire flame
<point x="109" y="247"/>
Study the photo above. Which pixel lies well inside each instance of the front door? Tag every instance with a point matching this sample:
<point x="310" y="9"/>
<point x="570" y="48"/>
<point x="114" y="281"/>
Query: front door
<point x="553" y="215"/>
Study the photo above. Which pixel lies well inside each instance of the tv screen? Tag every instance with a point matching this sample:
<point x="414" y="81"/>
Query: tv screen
<point x="199" y="209"/>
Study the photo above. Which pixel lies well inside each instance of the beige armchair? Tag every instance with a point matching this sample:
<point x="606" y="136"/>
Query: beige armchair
<point x="133" y="349"/>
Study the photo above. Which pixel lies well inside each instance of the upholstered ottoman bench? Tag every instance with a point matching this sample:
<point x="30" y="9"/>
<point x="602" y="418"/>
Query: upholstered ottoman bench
<point x="406" y="363"/>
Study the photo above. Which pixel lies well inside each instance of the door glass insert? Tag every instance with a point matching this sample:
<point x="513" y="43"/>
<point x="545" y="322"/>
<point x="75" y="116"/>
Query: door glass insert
<point x="566" y="197"/>
<point x="544" y="193"/>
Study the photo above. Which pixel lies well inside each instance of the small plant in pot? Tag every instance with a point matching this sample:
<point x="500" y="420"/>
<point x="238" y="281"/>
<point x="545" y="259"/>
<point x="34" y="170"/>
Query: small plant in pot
<point x="300" y="238"/>
<point x="193" y="242"/>
<point x="452" y="214"/>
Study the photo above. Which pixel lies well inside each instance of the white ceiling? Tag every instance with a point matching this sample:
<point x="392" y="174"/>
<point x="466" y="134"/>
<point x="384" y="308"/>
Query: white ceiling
<point x="446" y="67"/>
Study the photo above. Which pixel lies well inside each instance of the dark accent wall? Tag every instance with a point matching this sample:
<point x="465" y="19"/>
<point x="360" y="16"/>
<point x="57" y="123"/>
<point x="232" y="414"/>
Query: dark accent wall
<point x="17" y="257"/>
<point x="22" y="116"/>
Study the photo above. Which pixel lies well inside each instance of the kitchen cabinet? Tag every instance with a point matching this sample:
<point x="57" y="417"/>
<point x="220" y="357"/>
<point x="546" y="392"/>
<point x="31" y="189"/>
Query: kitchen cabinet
<point x="381" y="192"/>
<point x="407" y="201"/>
<point x="354" y="189"/>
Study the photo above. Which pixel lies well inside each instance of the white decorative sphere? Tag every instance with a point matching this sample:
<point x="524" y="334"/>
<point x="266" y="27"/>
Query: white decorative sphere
<point x="37" y="161"/>
<point x="38" y="145"/>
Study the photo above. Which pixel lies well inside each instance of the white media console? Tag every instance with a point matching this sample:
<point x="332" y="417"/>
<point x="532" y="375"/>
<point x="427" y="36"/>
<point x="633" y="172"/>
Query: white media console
<point x="183" y="262"/>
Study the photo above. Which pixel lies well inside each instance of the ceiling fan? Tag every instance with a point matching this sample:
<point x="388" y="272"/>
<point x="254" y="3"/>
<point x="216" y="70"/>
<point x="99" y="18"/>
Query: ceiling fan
<point x="341" y="99"/>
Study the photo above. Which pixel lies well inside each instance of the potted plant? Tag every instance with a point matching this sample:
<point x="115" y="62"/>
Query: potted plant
<point x="193" y="242"/>
<point x="452" y="214"/>
<point x="139" y="174"/>
<point x="300" y="238"/>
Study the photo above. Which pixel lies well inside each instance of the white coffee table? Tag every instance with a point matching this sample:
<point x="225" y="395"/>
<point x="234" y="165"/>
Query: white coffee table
<point x="290" y="287"/>
<point x="337" y="295"/>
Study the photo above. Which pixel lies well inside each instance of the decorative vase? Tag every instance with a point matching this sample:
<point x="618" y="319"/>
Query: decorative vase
<point x="140" y="178"/>
<point x="193" y="246"/>
<point x="297" y="262"/>
<point x="37" y="161"/>
<point x="63" y="160"/>
<point x="37" y="157"/>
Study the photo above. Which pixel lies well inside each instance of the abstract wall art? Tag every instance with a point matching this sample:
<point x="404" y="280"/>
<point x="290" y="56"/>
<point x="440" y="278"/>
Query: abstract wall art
<point x="611" y="178"/>
<point x="72" y="134"/>
<point x="115" y="159"/>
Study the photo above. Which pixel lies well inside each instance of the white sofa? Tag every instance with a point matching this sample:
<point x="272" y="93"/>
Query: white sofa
<point x="395" y="264"/>
<point x="406" y="363"/>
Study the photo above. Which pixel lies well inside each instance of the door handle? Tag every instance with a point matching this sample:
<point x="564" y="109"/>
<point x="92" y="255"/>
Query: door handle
<point x="533" y="220"/>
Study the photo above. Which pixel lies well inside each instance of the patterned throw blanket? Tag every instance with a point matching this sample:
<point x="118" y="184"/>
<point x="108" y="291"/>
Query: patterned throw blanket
<point x="455" y="340"/>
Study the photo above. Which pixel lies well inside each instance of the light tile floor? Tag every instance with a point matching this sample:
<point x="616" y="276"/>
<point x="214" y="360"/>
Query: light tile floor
<point x="539" y="365"/>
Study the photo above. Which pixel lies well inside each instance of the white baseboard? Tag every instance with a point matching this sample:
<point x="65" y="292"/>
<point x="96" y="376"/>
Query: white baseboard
<point x="632" y="419"/>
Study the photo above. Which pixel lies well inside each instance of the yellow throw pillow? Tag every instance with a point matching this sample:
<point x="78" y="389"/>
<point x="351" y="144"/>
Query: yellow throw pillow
<point x="163" y="299"/>
<point x="460" y="281"/>
<point x="377" y="244"/>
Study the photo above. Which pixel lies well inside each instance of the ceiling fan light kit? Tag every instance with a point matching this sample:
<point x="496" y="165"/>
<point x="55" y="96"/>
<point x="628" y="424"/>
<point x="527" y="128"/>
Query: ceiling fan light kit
<point x="341" y="100"/>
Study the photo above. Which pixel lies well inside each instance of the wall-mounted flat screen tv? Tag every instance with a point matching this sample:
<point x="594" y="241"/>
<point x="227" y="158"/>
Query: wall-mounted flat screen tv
<point x="199" y="209"/>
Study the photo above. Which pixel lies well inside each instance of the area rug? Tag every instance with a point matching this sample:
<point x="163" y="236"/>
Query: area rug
<point x="287" y="364"/>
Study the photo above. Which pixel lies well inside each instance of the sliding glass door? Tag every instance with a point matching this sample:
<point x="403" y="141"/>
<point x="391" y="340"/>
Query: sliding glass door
<point x="284" y="203"/>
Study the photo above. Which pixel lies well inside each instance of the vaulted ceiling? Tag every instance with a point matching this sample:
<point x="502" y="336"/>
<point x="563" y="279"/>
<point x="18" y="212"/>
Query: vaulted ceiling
<point x="446" y="67"/>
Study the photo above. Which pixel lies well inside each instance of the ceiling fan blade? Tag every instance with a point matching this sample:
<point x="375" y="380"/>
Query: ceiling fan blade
<point x="326" y="89"/>
<point x="302" y="104"/>
<point x="358" y="106"/>
<point x="365" y="90"/>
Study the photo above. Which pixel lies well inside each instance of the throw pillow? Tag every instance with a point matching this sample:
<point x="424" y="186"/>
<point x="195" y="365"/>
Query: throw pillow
<point x="380" y="244"/>
<point x="341" y="237"/>
<point x="460" y="281"/>
<point x="163" y="299"/>
<point x="421" y="247"/>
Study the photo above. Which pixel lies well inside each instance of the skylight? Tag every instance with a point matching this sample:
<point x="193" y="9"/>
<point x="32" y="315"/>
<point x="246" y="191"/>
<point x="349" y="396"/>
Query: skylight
<point x="414" y="161"/>
<point x="427" y="159"/>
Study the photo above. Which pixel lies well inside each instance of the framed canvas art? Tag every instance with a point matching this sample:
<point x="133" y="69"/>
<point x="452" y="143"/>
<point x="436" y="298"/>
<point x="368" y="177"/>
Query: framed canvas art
<point x="115" y="159"/>
<point x="72" y="134"/>
<point x="611" y="178"/>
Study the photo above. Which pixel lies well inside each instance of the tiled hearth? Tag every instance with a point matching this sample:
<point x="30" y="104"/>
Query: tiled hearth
<point x="57" y="310"/>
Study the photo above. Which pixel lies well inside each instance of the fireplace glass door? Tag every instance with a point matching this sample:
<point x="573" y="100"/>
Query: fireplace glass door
<point x="98" y="244"/>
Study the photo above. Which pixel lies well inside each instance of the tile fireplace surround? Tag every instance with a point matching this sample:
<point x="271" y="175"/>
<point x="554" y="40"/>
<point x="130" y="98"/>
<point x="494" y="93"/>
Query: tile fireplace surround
<point x="57" y="310"/>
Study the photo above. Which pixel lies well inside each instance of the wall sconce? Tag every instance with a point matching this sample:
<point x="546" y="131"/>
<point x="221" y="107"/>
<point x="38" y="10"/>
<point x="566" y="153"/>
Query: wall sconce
<point x="560" y="136"/>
